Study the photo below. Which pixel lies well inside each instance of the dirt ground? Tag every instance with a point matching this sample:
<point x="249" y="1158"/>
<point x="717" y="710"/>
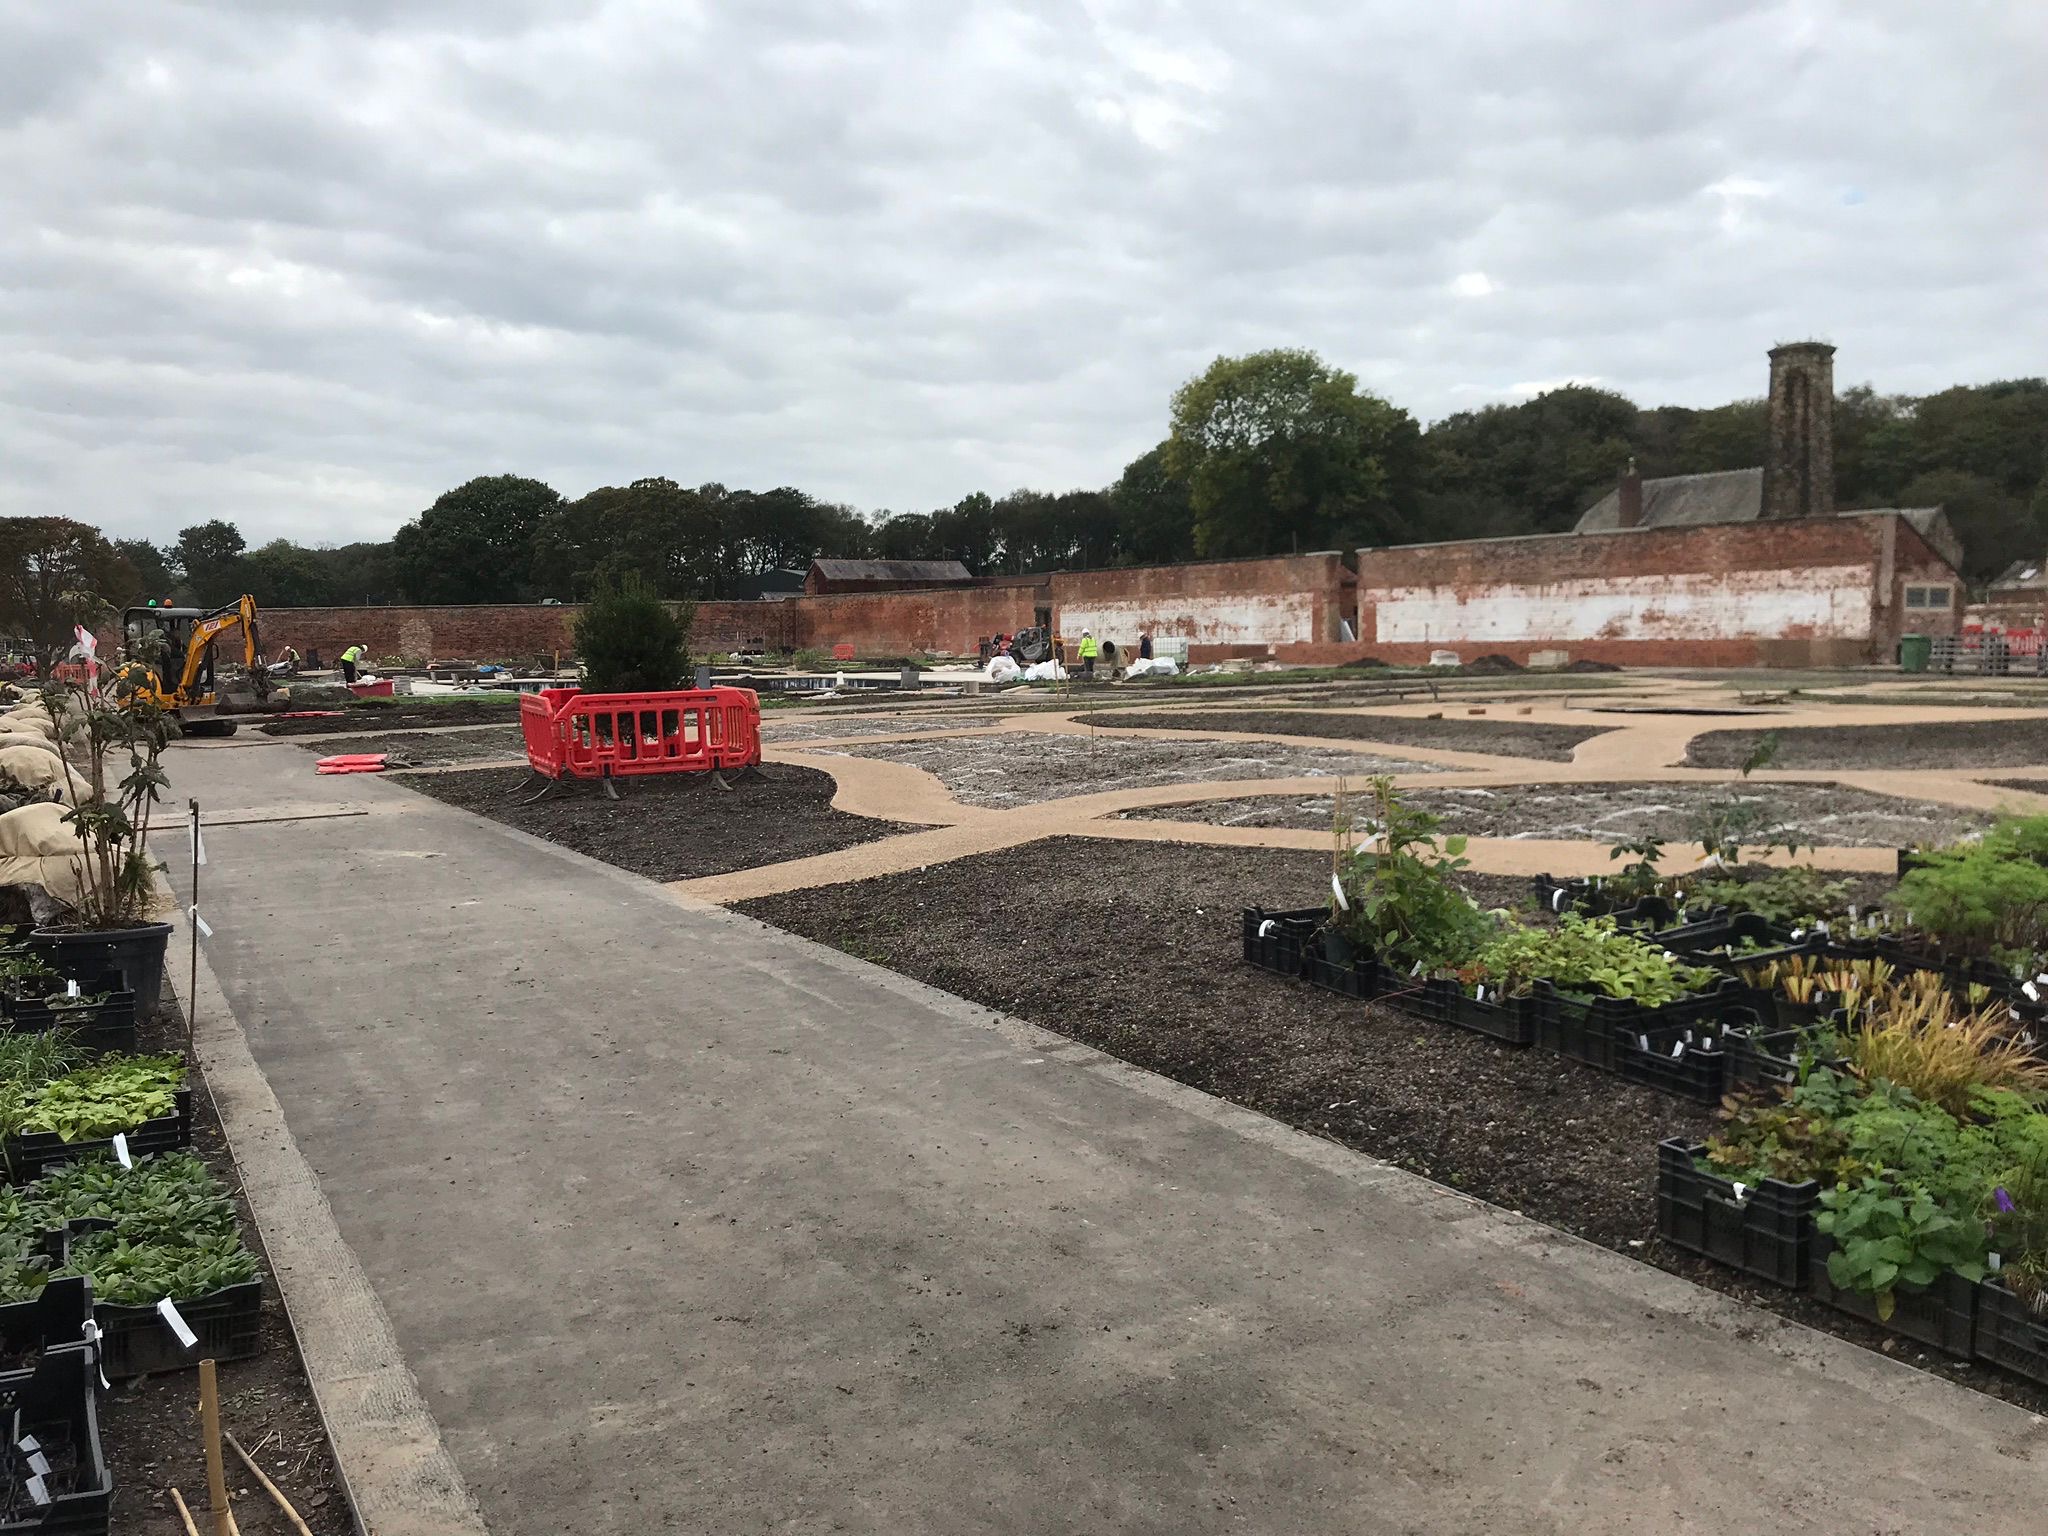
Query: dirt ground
<point x="869" y="725"/>
<point x="1965" y="744"/>
<point x="399" y="714"/>
<point x="1526" y="1129"/>
<point x="150" y="1425"/>
<point x="670" y="827"/>
<point x="1017" y="768"/>
<point x="1824" y="815"/>
<point x="430" y="749"/>
<point x="1452" y="733"/>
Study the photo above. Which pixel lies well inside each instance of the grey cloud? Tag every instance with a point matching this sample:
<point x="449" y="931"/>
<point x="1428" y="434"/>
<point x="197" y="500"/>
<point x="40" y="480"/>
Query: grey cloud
<point x="306" y="265"/>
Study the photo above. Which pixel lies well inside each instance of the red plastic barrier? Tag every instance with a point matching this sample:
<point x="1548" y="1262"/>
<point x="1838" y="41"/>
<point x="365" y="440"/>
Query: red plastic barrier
<point x="618" y="735"/>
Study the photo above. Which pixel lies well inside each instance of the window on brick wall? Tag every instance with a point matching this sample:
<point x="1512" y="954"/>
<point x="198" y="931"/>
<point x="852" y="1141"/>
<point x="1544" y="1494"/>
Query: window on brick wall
<point x="1927" y="597"/>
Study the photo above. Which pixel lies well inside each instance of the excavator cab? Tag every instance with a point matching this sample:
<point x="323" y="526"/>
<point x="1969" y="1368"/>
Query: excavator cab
<point x="177" y="645"/>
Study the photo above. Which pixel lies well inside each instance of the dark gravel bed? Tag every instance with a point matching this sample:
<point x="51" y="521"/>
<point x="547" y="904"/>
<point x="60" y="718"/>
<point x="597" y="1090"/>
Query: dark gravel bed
<point x="1135" y="950"/>
<point x="398" y="715"/>
<point x="1966" y="744"/>
<point x="149" y="1426"/>
<point x="2032" y="786"/>
<point x="430" y="749"/>
<point x="668" y="827"/>
<point x="1451" y="733"/>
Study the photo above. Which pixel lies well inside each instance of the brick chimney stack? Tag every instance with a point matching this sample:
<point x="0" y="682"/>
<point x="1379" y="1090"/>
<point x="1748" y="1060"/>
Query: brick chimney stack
<point x="1629" y="496"/>
<point x="1799" y="463"/>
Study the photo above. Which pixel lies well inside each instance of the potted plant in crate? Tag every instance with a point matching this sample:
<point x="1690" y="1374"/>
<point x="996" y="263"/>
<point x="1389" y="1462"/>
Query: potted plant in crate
<point x="114" y="738"/>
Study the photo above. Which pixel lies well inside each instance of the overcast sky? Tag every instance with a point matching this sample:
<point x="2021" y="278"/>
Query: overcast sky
<point x="306" y="263"/>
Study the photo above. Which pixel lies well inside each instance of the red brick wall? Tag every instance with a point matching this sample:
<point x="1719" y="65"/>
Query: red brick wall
<point x="1221" y="607"/>
<point x="511" y="631"/>
<point x="947" y="621"/>
<point x="1806" y="592"/>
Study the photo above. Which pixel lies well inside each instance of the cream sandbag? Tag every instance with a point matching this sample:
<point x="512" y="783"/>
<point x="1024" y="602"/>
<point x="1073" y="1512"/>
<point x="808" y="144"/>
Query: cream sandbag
<point x="38" y="847"/>
<point x="33" y="768"/>
<point x="26" y="739"/>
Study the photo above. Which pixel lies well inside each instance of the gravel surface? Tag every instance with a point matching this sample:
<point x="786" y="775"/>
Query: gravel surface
<point x="1965" y="744"/>
<point x="1134" y="949"/>
<point x="669" y="827"/>
<point x="430" y="749"/>
<point x="869" y="725"/>
<point x="400" y="715"/>
<point x="1024" y="768"/>
<point x="1452" y="733"/>
<point x="1826" y="815"/>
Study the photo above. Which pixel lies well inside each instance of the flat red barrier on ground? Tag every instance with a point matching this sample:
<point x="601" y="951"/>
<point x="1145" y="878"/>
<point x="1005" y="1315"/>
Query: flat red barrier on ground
<point x="617" y="735"/>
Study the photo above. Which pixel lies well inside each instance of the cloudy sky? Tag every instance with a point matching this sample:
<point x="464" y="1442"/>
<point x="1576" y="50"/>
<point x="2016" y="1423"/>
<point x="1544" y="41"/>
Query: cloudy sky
<point x="306" y="263"/>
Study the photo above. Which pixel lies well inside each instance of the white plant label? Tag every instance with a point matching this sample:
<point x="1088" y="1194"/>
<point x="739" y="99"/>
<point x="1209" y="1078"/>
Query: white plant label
<point x="121" y="1150"/>
<point x="1268" y="928"/>
<point x="198" y="841"/>
<point x="71" y="989"/>
<point x="39" y="1464"/>
<point x="1741" y="1191"/>
<point x="28" y="1445"/>
<point x="1557" y="899"/>
<point x="37" y="1491"/>
<point x="1677" y="1049"/>
<point x="1337" y="890"/>
<point x="167" y="1310"/>
<point x="205" y="928"/>
<point x="2033" y="992"/>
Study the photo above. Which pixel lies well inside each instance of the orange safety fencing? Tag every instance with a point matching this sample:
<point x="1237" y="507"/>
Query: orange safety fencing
<point x="616" y="735"/>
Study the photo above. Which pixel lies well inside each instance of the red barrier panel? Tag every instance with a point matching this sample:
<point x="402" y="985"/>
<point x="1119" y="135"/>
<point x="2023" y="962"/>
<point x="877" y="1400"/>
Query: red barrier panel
<point x="617" y="735"/>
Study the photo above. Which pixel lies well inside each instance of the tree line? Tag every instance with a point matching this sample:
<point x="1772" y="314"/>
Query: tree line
<point x="1265" y="454"/>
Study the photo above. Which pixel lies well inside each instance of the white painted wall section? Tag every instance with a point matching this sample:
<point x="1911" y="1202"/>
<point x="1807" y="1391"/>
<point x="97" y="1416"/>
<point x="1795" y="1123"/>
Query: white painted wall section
<point x="1263" y="618"/>
<point x="1825" y="603"/>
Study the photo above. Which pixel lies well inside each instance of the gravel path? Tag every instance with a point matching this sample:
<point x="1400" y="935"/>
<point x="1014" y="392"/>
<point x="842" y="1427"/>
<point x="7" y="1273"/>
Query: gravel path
<point x="1452" y="733"/>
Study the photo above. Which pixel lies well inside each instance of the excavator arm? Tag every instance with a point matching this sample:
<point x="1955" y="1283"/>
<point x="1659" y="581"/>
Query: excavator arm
<point x="209" y="628"/>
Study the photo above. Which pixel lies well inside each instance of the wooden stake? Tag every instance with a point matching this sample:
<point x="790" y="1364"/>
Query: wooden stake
<point x="184" y="1514"/>
<point x="209" y="1425"/>
<point x="270" y="1488"/>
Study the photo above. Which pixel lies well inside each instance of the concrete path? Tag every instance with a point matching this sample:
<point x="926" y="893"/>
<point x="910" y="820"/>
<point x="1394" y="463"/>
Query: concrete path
<point x="688" y="1225"/>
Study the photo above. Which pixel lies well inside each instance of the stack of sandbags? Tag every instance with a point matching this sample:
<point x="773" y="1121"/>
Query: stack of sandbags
<point x="39" y="848"/>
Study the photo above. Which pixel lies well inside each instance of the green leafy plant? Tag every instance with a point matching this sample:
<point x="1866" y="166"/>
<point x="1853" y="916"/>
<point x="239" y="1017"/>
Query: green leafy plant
<point x="1795" y="896"/>
<point x="170" y="1197"/>
<point x="125" y="720"/>
<point x="1888" y="1234"/>
<point x="1640" y="876"/>
<point x="1588" y="955"/>
<point x="1398" y="896"/>
<point x="1983" y="900"/>
<point x="116" y="1093"/>
<point x="2017" y="1212"/>
<point x="129" y="1273"/>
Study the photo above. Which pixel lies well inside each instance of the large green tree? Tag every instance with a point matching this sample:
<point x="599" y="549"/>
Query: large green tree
<point x="1282" y="451"/>
<point x="282" y="574"/>
<point x="1154" y="515"/>
<point x="475" y="543"/>
<point x="210" y="555"/>
<point x="56" y="573"/>
<point x="665" y="536"/>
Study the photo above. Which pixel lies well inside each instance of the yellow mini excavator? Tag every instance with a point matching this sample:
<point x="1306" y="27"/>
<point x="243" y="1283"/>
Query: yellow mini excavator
<point x="176" y="645"/>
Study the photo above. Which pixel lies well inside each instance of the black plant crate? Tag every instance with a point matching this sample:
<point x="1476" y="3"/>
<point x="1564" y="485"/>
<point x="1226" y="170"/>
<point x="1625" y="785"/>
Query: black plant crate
<point x="1593" y="898"/>
<point x="1352" y="978"/>
<point x="1944" y="1316"/>
<point x="1276" y="941"/>
<point x="136" y="1340"/>
<point x="1720" y="931"/>
<point x="54" y="1318"/>
<point x="30" y="1154"/>
<point x="2009" y="1334"/>
<point x="1766" y="1058"/>
<point x="1766" y="1231"/>
<point x="1590" y="1029"/>
<point x="1683" y="1060"/>
<point x="1511" y="1021"/>
<point x="104" y="1026"/>
<point x="53" y="1406"/>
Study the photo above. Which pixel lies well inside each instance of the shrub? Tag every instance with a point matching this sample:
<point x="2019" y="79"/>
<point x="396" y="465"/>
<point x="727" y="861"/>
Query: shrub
<point x="631" y="641"/>
<point x="1980" y="900"/>
<point x="1397" y="892"/>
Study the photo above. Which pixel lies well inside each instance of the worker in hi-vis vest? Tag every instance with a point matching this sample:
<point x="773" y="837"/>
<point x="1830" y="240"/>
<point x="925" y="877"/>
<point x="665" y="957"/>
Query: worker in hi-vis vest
<point x="1090" y="649"/>
<point x="351" y="659"/>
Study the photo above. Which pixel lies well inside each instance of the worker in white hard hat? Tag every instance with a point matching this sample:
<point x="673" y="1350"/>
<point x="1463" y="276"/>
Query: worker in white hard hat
<point x="1090" y="649"/>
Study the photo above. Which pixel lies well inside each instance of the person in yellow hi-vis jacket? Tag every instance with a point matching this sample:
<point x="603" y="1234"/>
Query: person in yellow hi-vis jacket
<point x="1090" y="649"/>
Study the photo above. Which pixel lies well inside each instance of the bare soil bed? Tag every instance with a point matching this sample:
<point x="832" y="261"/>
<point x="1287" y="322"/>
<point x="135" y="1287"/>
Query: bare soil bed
<point x="1827" y="816"/>
<point x="400" y="714"/>
<point x="430" y="749"/>
<point x="1025" y="768"/>
<point x="2032" y="786"/>
<point x="870" y="725"/>
<point x="150" y="1425"/>
<point x="668" y="827"/>
<point x="1136" y="952"/>
<point x="1965" y="744"/>
<point x="1452" y="733"/>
